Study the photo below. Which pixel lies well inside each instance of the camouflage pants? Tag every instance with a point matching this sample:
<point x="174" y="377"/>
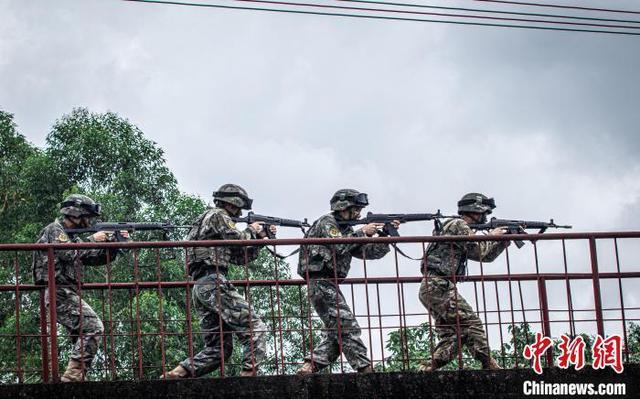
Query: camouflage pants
<point x="221" y="307"/>
<point x="448" y="309"/>
<point x="79" y="320"/>
<point x="323" y="295"/>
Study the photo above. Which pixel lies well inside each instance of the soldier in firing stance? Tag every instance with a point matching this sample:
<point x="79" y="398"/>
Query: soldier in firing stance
<point x="443" y="265"/>
<point x="316" y="265"/>
<point x="78" y="318"/>
<point x="215" y="299"/>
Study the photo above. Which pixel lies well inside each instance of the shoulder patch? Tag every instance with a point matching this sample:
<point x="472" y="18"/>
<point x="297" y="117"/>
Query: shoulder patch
<point x="63" y="237"/>
<point x="227" y="219"/>
<point x="459" y="227"/>
<point x="334" y="232"/>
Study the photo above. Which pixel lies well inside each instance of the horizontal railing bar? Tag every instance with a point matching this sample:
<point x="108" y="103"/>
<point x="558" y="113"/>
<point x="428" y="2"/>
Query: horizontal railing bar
<point x="300" y="241"/>
<point x="348" y="281"/>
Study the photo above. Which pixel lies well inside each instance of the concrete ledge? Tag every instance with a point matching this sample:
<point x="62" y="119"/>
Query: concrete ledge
<point x="446" y="384"/>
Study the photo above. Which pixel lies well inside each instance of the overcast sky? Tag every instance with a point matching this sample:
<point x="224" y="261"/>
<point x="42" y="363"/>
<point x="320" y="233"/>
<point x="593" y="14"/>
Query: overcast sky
<point x="294" y="107"/>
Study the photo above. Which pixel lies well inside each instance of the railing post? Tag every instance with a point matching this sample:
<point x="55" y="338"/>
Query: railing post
<point x="43" y="337"/>
<point x="544" y="317"/>
<point x="597" y="299"/>
<point x="53" y="316"/>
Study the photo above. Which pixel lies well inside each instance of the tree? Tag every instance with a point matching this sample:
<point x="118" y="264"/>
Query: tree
<point x="29" y="189"/>
<point x="103" y="156"/>
<point x="108" y="157"/>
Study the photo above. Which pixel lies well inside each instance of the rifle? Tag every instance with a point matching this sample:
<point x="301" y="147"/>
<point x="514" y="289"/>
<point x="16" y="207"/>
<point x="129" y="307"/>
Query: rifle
<point x="117" y="227"/>
<point x="517" y="226"/>
<point x="271" y="220"/>
<point x="387" y="218"/>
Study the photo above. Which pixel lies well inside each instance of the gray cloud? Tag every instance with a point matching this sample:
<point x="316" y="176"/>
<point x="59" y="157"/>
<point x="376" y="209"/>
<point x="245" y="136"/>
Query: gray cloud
<point x="540" y="120"/>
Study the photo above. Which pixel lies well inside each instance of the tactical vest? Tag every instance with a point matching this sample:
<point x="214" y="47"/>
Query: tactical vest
<point x="208" y="260"/>
<point x="317" y="260"/>
<point x="443" y="258"/>
<point x="66" y="262"/>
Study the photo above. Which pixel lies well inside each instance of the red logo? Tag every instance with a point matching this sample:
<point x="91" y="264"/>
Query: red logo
<point x="608" y="352"/>
<point x="536" y="350"/>
<point x="571" y="352"/>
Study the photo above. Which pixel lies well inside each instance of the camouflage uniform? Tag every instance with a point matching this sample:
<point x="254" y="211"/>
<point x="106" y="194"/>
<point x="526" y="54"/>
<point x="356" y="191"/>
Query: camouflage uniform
<point x="218" y="304"/>
<point x="72" y="312"/>
<point x="438" y="292"/>
<point x="316" y="263"/>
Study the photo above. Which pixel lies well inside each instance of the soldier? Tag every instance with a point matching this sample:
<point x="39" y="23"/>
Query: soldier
<point x="72" y="312"/>
<point x="316" y="265"/>
<point x="444" y="264"/>
<point x="219" y="305"/>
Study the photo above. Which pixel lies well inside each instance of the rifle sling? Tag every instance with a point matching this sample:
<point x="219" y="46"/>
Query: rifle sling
<point x="394" y="245"/>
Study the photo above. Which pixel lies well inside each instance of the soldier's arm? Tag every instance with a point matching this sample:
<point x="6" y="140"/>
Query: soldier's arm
<point x="371" y="251"/>
<point x="226" y="228"/>
<point x="482" y="251"/>
<point x="97" y="257"/>
<point x="328" y="228"/>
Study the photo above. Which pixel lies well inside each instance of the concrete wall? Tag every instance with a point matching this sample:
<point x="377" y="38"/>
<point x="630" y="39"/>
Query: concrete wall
<point x="381" y="385"/>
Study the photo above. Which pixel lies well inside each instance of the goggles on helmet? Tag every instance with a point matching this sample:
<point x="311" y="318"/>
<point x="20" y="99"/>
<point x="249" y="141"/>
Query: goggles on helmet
<point x="490" y="202"/>
<point x="223" y="194"/>
<point x="360" y="199"/>
<point x="93" y="209"/>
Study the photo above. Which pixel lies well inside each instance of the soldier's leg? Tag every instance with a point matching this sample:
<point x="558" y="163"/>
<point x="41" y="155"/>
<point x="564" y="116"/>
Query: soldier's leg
<point x="327" y="350"/>
<point x="81" y="322"/>
<point x="245" y="323"/>
<point x="435" y="295"/>
<point x="209" y="359"/>
<point x="342" y="328"/>
<point x="85" y="329"/>
<point x="474" y="336"/>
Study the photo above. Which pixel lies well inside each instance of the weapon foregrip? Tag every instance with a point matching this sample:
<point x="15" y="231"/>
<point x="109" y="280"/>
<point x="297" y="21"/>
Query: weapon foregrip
<point x="389" y="229"/>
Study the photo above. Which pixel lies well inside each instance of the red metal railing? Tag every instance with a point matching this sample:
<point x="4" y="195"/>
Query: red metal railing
<point x="560" y="283"/>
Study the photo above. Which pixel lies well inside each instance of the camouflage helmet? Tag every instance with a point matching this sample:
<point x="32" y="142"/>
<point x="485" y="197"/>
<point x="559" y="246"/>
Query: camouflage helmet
<point x="234" y="195"/>
<point x="78" y="205"/>
<point x="476" y="203"/>
<point x="347" y="197"/>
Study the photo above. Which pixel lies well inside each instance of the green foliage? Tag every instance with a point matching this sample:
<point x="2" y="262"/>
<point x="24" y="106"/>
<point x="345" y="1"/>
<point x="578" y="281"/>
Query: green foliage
<point x="408" y="347"/>
<point x="633" y="342"/>
<point x="28" y="192"/>
<point x="108" y="157"/>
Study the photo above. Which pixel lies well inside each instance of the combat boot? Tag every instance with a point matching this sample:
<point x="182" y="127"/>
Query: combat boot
<point x="248" y="373"/>
<point x="366" y="369"/>
<point x="176" y="373"/>
<point x="427" y="367"/>
<point x="73" y="373"/>
<point x="307" y="368"/>
<point x="491" y="364"/>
